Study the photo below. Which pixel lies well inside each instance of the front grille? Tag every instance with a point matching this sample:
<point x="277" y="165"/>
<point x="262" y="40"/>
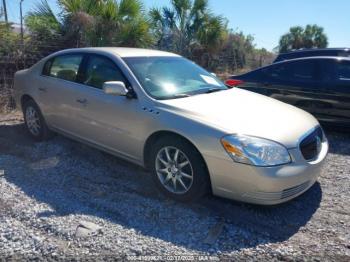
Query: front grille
<point x="310" y="146"/>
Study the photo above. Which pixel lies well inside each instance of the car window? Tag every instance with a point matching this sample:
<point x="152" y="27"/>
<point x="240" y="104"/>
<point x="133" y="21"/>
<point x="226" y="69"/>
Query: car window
<point x="343" y="70"/>
<point x="100" y="69"/>
<point x="65" y="67"/>
<point x="344" y="53"/>
<point x="327" y="70"/>
<point x="277" y="72"/>
<point x="303" y="71"/>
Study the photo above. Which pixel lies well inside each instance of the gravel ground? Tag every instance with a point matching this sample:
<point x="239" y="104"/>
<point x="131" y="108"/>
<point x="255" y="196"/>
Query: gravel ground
<point x="62" y="200"/>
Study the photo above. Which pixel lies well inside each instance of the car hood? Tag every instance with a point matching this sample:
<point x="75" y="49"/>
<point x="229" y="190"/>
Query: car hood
<point x="237" y="111"/>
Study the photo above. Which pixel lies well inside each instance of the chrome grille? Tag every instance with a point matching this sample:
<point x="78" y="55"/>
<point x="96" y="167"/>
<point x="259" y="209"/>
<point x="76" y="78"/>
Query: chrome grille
<point x="310" y="146"/>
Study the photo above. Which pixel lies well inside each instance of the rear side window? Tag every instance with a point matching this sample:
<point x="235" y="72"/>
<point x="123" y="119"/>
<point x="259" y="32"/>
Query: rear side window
<point x="303" y="71"/>
<point x="277" y="72"/>
<point x="101" y="69"/>
<point x="300" y="71"/>
<point x="65" y="67"/>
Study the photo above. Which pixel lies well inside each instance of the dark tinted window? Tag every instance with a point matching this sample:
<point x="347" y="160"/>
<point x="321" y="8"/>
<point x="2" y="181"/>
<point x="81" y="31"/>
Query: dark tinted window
<point x="303" y="71"/>
<point x="327" y="72"/>
<point x="343" y="70"/>
<point x="101" y="69"/>
<point x="66" y="67"/>
<point x="278" y="72"/>
<point x="344" y="53"/>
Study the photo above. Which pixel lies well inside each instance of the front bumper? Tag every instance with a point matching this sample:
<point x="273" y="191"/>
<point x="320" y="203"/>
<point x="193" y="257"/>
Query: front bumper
<point x="264" y="185"/>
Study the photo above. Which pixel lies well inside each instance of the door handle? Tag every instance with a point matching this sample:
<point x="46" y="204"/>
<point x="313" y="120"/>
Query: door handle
<point x="42" y="89"/>
<point x="82" y="101"/>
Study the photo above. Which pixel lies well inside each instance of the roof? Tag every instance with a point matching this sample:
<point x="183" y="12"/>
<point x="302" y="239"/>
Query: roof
<point x="316" y="49"/>
<point x="124" y="51"/>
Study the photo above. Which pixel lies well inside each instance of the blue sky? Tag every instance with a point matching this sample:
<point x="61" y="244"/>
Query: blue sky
<point x="266" y="20"/>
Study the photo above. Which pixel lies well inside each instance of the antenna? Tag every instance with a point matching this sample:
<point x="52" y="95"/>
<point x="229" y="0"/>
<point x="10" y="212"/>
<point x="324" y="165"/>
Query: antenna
<point x="21" y="15"/>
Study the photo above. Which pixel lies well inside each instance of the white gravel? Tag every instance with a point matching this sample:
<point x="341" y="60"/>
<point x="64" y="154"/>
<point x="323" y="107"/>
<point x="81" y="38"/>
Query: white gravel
<point x="48" y="189"/>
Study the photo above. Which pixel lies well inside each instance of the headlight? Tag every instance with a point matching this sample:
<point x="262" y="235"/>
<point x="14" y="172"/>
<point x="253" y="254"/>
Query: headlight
<point x="255" y="151"/>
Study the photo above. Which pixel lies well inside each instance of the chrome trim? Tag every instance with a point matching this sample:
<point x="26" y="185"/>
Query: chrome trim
<point x="306" y="135"/>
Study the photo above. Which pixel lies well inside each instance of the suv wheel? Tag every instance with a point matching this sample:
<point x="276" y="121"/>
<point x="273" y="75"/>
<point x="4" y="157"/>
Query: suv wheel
<point x="178" y="169"/>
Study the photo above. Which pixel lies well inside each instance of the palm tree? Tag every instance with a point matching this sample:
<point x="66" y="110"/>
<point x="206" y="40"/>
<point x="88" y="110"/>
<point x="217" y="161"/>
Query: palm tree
<point x="298" y="37"/>
<point x="187" y="24"/>
<point x="95" y="22"/>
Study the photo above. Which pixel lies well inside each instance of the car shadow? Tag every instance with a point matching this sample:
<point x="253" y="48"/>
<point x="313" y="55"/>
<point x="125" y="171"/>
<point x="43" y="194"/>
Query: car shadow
<point x="75" y="179"/>
<point x="338" y="139"/>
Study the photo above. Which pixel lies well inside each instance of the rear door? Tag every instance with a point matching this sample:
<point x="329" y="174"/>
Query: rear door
<point x="336" y="81"/>
<point x="57" y="87"/>
<point x="251" y="81"/>
<point x="296" y="83"/>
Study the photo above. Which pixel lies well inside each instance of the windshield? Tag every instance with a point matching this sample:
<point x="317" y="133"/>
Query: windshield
<point x="172" y="77"/>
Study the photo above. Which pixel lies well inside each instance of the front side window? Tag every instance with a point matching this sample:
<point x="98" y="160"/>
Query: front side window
<point x="101" y="69"/>
<point x="172" y="77"/>
<point x="343" y="70"/>
<point x="66" y="67"/>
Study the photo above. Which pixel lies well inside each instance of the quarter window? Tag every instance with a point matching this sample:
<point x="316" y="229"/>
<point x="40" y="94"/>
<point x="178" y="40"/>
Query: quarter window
<point x="99" y="70"/>
<point x="66" y="67"/>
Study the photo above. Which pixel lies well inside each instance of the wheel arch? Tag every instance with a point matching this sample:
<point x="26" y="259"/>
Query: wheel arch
<point x="25" y="98"/>
<point x="164" y="133"/>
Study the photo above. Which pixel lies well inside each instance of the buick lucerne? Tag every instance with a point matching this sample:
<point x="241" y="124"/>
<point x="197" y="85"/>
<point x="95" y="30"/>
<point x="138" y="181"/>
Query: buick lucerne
<point x="165" y="113"/>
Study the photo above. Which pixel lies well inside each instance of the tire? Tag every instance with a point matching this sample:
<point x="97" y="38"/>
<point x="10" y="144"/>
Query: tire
<point x="167" y="173"/>
<point x="35" y="122"/>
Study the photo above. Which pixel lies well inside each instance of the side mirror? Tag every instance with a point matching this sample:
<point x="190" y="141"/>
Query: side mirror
<point x="115" y="88"/>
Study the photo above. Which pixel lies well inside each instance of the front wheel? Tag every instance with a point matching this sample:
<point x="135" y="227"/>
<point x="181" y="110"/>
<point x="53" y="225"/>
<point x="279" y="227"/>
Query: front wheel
<point x="179" y="170"/>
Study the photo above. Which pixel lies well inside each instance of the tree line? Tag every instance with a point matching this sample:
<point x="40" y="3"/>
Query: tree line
<point x="187" y="27"/>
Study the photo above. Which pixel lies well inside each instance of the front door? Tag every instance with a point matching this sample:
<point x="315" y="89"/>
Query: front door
<point x="336" y="81"/>
<point x="112" y="122"/>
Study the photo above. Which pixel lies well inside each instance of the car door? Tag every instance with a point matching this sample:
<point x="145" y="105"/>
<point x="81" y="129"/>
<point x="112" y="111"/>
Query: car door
<point x="296" y="83"/>
<point x="249" y="81"/>
<point x="57" y="86"/>
<point x="275" y="80"/>
<point x="106" y="120"/>
<point x="307" y="92"/>
<point x="336" y="81"/>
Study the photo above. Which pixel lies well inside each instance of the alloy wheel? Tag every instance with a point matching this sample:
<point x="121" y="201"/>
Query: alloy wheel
<point x="174" y="170"/>
<point x="33" y="121"/>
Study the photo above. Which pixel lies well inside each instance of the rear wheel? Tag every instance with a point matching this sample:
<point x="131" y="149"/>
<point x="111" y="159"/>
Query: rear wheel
<point x="178" y="169"/>
<point x="35" y="122"/>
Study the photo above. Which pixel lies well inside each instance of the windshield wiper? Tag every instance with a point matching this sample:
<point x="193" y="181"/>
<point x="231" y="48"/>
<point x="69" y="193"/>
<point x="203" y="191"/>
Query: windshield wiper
<point x="175" y="96"/>
<point x="212" y="90"/>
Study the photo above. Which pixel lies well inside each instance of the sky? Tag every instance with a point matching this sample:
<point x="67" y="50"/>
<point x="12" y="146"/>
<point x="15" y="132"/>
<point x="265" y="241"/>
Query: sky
<point x="266" y="20"/>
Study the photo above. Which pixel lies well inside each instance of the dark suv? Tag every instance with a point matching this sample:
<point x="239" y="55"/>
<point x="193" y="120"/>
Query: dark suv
<point x="319" y="85"/>
<point x="344" y="52"/>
